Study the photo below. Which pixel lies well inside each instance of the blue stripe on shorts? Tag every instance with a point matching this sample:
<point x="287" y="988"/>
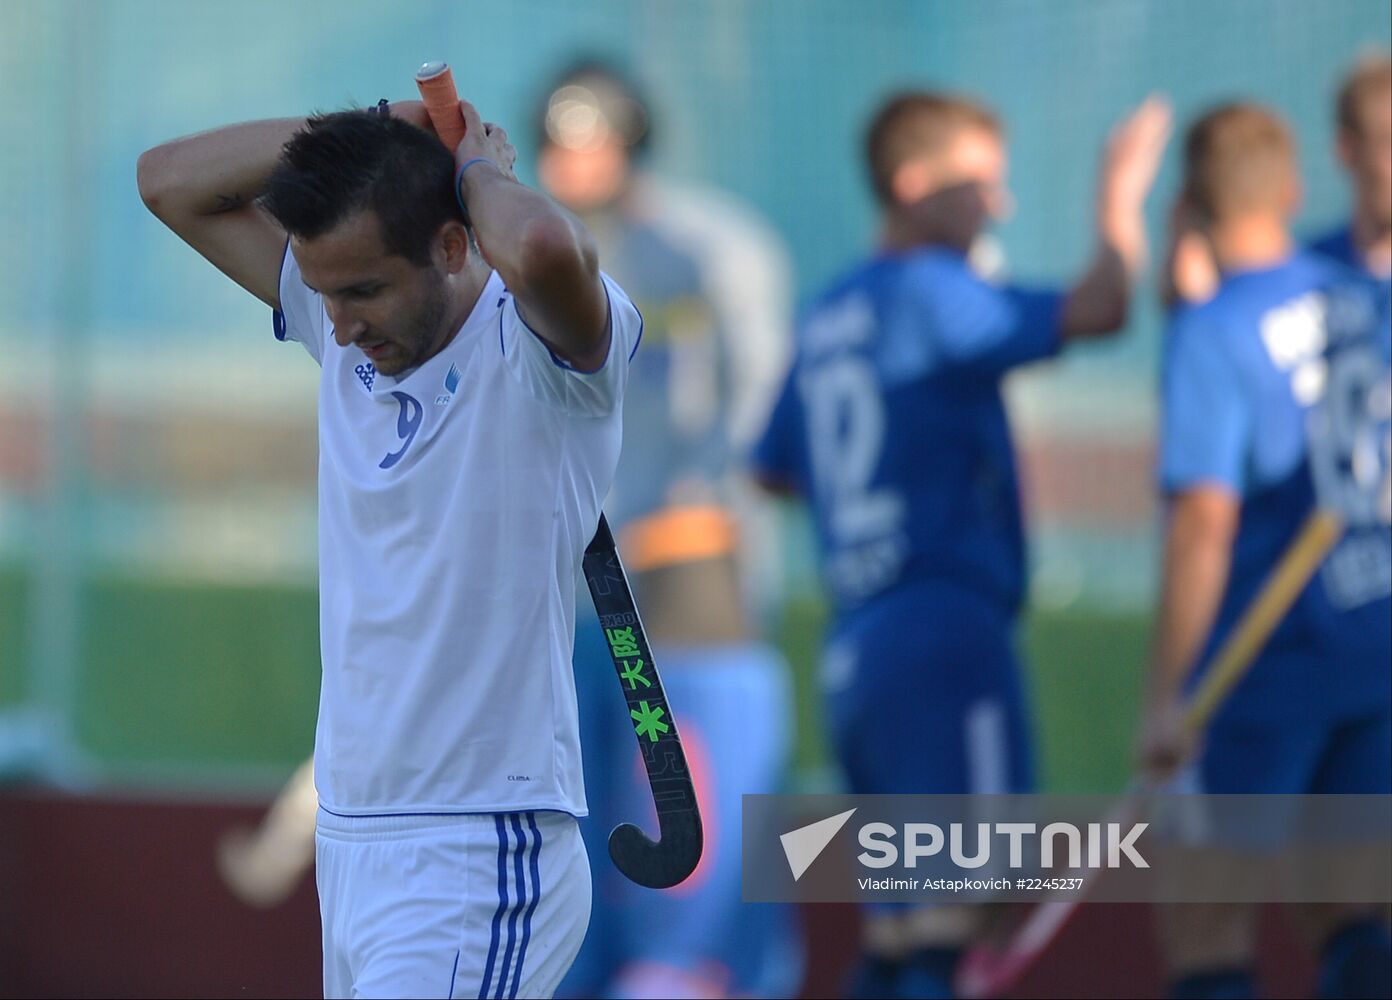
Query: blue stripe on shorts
<point x="502" y="905"/>
<point x="535" y="865"/>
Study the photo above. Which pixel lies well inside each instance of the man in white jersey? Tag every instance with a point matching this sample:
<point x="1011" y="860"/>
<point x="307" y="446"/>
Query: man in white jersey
<point x="473" y="363"/>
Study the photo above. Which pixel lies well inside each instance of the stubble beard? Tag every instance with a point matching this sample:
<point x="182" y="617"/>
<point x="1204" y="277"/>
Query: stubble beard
<point x="427" y="334"/>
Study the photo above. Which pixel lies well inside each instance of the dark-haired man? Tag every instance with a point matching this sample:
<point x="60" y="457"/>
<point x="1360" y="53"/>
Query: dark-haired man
<point x="892" y="424"/>
<point x="472" y="376"/>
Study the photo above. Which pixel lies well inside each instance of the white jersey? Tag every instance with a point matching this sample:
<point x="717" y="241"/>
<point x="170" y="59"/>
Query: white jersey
<point x="455" y="503"/>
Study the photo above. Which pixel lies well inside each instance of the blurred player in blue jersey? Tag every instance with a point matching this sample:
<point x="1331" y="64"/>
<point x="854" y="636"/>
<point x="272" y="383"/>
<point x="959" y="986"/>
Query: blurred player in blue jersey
<point x="892" y="424"/>
<point x="1364" y="113"/>
<point x="712" y="283"/>
<point x="1276" y="399"/>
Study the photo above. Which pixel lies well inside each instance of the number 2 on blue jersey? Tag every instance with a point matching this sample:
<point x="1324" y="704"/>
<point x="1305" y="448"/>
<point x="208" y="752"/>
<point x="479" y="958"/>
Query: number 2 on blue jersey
<point x="846" y="430"/>
<point x="408" y="422"/>
<point x="846" y="426"/>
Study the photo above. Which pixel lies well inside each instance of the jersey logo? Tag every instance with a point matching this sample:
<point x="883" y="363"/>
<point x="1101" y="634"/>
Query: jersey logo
<point x="367" y="374"/>
<point x="451" y="383"/>
<point x="1295" y="336"/>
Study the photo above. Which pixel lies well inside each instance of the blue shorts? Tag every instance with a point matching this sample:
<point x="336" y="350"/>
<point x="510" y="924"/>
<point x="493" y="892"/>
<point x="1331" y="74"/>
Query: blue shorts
<point x="733" y="707"/>
<point x="1345" y="754"/>
<point x="924" y="695"/>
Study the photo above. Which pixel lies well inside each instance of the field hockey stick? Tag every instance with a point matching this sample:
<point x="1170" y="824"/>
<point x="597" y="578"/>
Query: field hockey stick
<point x="668" y="860"/>
<point x="674" y="855"/>
<point x="1317" y="536"/>
<point x="989" y="970"/>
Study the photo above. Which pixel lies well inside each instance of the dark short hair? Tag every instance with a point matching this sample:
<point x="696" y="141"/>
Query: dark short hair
<point x="1238" y="157"/>
<point x="918" y="123"/>
<point x="341" y="163"/>
<point x="1371" y="77"/>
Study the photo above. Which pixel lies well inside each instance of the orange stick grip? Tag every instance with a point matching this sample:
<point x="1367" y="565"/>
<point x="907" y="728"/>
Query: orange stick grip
<point x="441" y="102"/>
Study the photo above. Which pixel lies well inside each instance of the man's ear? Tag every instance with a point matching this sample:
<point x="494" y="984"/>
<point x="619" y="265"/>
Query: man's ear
<point x="912" y="181"/>
<point x="454" y="242"/>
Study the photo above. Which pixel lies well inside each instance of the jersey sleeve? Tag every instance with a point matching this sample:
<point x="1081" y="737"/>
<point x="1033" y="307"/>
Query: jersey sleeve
<point x="301" y="316"/>
<point x="552" y="380"/>
<point x="1205" y="421"/>
<point x="778" y="451"/>
<point x="988" y="328"/>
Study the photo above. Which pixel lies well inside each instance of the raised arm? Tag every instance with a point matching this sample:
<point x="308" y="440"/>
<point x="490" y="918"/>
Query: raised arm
<point x="204" y="187"/>
<point x="546" y="257"/>
<point x="1098" y="303"/>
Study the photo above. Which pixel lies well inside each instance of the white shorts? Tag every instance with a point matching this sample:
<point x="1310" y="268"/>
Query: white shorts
<point x="482" y="905"/>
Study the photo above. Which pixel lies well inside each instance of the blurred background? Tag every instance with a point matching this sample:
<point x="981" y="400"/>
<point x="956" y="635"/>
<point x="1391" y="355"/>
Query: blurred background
<point x="158" y="614"/>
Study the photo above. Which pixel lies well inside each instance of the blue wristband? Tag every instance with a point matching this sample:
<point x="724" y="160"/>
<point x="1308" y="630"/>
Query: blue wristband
<point x="459" y="177"/>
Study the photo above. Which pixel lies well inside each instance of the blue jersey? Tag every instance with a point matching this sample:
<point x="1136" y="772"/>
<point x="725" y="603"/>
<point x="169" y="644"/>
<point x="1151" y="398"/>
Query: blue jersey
<point x="1338" y="245"/>
<point x="891" y="423"/>
<point x="1278" y="390"/>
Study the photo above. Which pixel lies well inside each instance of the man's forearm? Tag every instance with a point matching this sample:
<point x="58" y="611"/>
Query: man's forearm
<point x="546" y="258"/>
<point x="204" y="187"/>
<point x="523" y="233"/>
<point x="1098" y="303"/>
<point x="1197" y="562"/>
<point x="212" y="172"/>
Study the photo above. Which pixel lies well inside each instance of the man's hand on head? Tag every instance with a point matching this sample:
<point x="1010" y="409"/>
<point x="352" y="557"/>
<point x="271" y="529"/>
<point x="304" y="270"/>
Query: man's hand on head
<point x="485" y="140"/>
<point x="543" y="253"/>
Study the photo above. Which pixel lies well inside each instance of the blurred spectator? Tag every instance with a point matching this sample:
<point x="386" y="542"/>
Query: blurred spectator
<point x="891" y="423"/>
<point x="712" y="283"/>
